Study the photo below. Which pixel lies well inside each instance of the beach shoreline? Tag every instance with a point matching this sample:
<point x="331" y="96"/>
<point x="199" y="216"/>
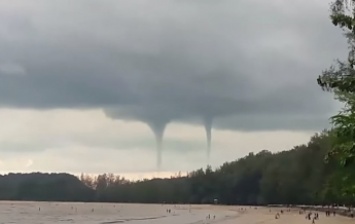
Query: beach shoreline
<point x="80" y="213"/>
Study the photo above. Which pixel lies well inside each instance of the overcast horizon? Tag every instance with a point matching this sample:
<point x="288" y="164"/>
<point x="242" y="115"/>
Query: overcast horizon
<point x="89" y="86"/>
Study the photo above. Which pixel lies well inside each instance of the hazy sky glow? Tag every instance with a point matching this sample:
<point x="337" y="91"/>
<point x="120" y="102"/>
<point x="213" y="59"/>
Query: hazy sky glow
<point x="80" y="80"/>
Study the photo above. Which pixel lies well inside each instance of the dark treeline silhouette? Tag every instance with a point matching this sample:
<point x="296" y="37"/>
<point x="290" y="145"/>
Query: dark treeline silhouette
<point x="44" y="187"/>
<point x="298" y="176"/>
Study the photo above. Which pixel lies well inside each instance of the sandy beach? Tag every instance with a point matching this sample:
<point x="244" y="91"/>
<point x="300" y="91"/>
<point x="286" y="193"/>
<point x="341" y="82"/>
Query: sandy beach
<point x="267" y="215"/>
<point x="105" y="213"/>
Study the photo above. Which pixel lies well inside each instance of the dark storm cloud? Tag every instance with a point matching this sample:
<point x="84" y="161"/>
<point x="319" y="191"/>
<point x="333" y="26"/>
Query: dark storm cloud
<point x="159" y="61"/>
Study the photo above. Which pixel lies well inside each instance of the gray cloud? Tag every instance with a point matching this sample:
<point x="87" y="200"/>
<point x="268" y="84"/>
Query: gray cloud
<point x="160" y="61"/>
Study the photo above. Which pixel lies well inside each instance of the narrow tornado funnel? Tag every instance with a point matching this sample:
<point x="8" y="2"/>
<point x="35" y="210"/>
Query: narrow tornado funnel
<point x="208" y="127"/>
<point x="158" y="130"/>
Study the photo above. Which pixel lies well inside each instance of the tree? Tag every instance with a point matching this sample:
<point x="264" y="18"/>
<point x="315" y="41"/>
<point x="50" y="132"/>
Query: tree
<point x="87" y="180"/>
<point x="340" y="79"/>
<point x="296" y="176"/>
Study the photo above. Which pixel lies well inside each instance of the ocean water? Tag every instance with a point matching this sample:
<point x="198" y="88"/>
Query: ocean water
<point x="107" y="213"/>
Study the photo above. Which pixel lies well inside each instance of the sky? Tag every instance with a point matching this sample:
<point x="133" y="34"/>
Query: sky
<point x="97" y="86"/>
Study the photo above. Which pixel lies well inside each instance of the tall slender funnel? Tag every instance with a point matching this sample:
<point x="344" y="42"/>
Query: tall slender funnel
<point x="208" y="127"/>
<point x="158" y="130"/>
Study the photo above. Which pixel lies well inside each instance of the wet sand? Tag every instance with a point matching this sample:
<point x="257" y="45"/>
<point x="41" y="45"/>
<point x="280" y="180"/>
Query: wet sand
<point x="267" y="215"/>
<point x="106" y="213"/>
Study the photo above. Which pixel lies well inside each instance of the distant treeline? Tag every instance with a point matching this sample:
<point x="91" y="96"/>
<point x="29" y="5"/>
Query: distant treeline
<point x="298" y="176"/>
<point x="44" y="187"/>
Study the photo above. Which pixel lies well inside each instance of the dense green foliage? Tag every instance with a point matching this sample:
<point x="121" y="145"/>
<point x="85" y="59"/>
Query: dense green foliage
<point x="297" y="176"/>
<point x="340" y="80"/>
